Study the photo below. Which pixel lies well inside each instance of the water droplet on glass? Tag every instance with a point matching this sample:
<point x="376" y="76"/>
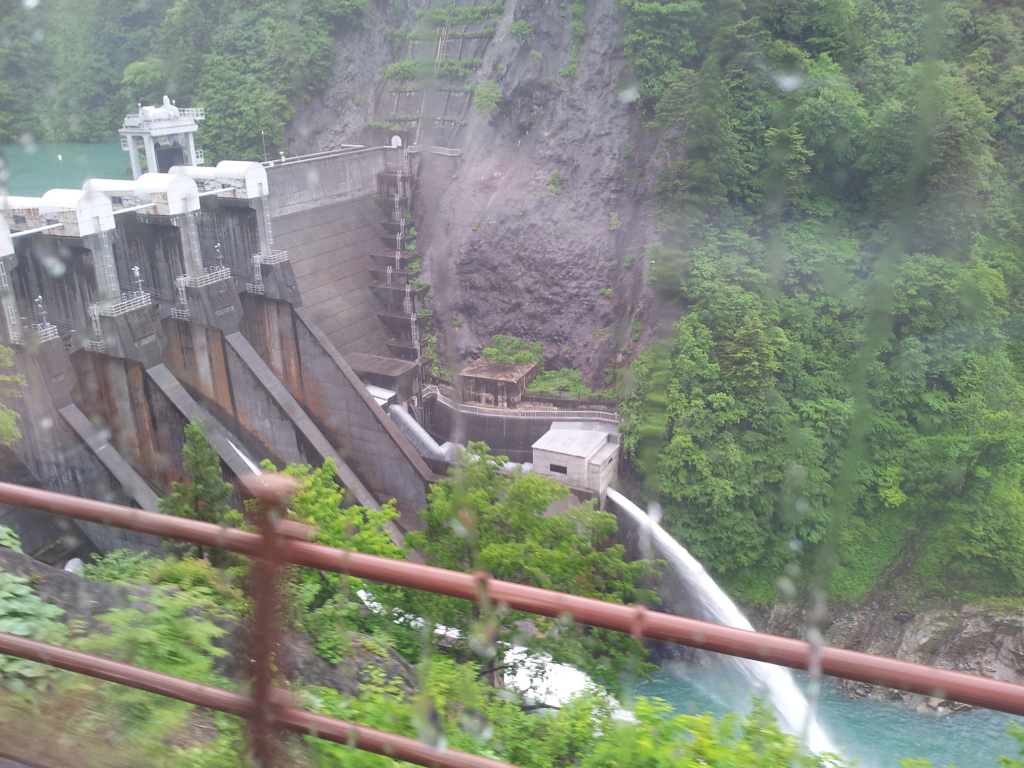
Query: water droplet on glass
<point x="30" y="4"/>
<point x="796" y="545"/>
<point x="428" y="724"/>
<point x="28" y="143"/>
<point x="628" y="95"/>
<point x="654" y="512"/>
<point x="46" y="423"/>
<point x="481" y="638"/>
<point x="54" y="267"/>
<point x="789" y="82"/>
<point x="476" y="724"/>
<point x="786" y="588"/>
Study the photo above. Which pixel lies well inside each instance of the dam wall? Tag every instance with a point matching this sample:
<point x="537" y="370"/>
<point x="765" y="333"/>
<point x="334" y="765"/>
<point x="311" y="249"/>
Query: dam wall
<point x="313" y="372"/>
<point x="165" y="315"/>
<point x="314" y="181"/>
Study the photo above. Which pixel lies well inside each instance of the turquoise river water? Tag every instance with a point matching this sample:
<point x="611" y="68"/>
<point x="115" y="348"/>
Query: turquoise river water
<point x="876" y="734"/>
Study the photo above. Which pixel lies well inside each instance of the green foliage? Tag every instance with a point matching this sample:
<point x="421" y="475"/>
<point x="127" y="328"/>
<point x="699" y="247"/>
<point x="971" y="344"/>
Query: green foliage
<point x="606" y="293"/>
<point x="11" y="385"/>
<point x="165" y="634"/>
<point x="9" y="539"/>
<point x="520" y="31"/>
<point x="660" y="36"/>
<point x="511" y="349"/>
<point x="204" y="496"/>
<point x="836" y="214"/>
<point x="248" y="64"/>
<point x="482" y="519"/>
<point x="21" y="57"/>
<point x="120" y="565"/>
<point x="22" y="613"/>
<point x="486" y="98"/>
<point x="452" y="69"/>
<point x="467" y="715"/>
<point x="403" y="71"/>
<point x="659" y="737"/>
<point x="579" y="31"/>
<point x="328" y="605"/>
<point x="613" y="221"/>
<point x="189" y="574"/>
<point x="564" y="380"/>
<point x="555" y="183"/>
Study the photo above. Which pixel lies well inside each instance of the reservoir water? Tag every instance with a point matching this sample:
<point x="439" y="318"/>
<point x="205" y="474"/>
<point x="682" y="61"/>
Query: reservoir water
<point x="877" y="734"/>
<point x="33" y="169"/>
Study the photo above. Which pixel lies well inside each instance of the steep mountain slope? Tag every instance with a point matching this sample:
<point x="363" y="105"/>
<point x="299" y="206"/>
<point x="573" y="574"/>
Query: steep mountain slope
<point x="546" y="209"/>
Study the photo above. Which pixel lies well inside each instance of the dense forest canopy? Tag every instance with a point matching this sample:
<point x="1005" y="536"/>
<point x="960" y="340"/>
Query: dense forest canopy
<point x="841" y="217"/>
<point x="70" y="71"/>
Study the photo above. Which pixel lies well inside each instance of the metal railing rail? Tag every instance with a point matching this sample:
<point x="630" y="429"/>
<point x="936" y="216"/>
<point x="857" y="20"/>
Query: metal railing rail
<point x="278" y="544"/>
<point x="211" y="697"/>
<point x="516" y="413"/>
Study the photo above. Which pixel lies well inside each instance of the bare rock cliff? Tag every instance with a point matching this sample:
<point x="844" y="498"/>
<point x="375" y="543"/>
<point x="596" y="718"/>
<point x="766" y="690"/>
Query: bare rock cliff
<point x="979" y="640"/>
<point x="539" y="228"/>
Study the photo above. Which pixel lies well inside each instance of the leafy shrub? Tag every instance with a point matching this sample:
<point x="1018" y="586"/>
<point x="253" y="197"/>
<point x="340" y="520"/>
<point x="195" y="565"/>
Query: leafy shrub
<point x="555" y="183"/>
<point x="562" y="380"/>
<point x="22" y="613"/>
<point x="579" y="30"/>
<point x="9" y="539"/>
<point x="510" y="349"/>
<point x="487" y="97"/>
<point x="121" y="565"/>
<point x="452" y="69"/>
<point x="520" y="30"/>
<point x="613" y="221"/>
<point x="403" y="71"/>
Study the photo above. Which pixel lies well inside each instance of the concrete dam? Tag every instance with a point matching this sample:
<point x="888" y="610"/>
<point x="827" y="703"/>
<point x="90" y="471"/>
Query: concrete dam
<point x="246" y="297"/>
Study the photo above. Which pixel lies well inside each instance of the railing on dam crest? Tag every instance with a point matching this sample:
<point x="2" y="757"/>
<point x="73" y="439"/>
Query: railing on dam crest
<point x="608" y="417"/>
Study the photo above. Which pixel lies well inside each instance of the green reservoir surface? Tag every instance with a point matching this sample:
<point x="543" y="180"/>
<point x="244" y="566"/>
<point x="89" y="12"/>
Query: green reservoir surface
<point x="34" y="168"/>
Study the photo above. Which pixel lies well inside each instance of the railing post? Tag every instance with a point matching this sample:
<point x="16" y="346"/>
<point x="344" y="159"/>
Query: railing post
<point x="269" y="490"/>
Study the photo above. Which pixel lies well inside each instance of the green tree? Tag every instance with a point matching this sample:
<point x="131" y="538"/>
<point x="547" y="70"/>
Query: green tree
<point x="483" y="519"/>
<point x="203" y="496"/>
<point x="329" y="605"/>
<point x="486" y="98"/>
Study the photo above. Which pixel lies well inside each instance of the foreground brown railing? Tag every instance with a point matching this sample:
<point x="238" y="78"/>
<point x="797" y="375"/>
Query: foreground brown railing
<point x="279" y="544"/>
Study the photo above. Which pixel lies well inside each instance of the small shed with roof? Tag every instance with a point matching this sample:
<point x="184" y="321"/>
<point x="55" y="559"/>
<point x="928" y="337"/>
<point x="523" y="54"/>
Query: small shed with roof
<point x="489" y="382"/>
<point x="579" y="458"/>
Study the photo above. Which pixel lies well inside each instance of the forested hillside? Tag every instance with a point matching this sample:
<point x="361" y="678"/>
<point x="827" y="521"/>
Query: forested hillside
<point x="841" y="222"/>
<point x="69" y="70"/>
